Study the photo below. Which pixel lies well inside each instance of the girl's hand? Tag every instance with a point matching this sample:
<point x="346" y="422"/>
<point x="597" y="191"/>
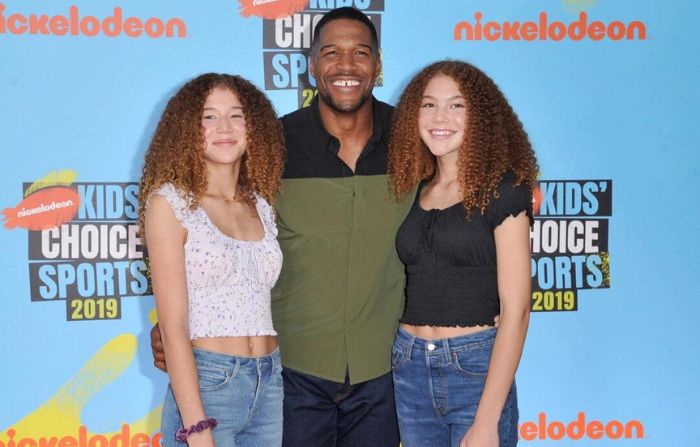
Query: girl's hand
<point x="478" y="436"/>
<point x="201" y="439"/>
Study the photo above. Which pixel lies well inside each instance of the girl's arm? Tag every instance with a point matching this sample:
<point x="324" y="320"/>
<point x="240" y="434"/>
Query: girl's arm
<point x="166" y="238"/>
<point x="513" y="269"/>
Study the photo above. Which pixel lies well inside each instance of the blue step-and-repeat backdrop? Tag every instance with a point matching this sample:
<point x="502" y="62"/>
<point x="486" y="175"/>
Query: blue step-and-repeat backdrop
<point x="607" y="90"/>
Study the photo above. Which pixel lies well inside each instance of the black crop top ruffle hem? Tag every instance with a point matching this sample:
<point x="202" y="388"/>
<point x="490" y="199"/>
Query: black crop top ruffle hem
<point x="451" y="261"/>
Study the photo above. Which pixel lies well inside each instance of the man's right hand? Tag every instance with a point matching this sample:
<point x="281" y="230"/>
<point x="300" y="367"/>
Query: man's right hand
<point x="157" y="349"/>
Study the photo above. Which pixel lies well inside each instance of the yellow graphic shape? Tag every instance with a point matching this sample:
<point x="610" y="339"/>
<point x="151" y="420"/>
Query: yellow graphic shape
<point x="64" y="177"/>
<point x="60" y="415"/>
<point x="153" y="316"/>
<point x="605" y="267"/>
<point x="579" y="5"/>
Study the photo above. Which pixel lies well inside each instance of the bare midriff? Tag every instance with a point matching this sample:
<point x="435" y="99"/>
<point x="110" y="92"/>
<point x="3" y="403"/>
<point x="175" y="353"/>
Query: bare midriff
<point x="256" y="346"/>
<point x="438" y="332"/>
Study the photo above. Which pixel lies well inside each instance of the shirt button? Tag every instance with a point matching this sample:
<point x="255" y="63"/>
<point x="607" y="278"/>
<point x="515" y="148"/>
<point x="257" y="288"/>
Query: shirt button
<point x="431" y="346"/>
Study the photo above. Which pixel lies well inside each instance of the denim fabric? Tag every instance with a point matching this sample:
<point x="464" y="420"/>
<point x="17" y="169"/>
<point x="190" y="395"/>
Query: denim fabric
<point x="243" y="394"/>
<point x="438" y="384"/>
<point x="322" y="413"/>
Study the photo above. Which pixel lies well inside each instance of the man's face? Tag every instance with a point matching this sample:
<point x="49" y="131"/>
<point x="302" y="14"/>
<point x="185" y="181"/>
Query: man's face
<point x="345" y="65"/>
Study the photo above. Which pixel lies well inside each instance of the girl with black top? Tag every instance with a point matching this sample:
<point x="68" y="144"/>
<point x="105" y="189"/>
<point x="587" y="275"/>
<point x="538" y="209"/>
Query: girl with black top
<point x="466" y="247"/>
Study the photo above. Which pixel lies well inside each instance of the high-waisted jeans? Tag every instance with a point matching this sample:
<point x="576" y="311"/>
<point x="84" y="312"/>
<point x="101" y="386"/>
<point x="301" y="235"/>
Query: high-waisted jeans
<point x="438" y="384"/>
<point x="243" y="394"/>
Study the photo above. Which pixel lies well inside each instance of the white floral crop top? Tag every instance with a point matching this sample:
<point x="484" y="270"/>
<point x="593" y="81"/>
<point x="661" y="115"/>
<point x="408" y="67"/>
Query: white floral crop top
<point x="228" y="280"/>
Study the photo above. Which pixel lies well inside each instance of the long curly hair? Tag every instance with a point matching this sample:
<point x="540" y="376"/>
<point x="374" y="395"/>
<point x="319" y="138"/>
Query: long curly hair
<point x="176" y="153"/>
<point x="494" y="140"/>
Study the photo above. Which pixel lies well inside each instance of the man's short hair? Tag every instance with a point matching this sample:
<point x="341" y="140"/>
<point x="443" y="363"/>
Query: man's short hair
<point x="349" y="13"/>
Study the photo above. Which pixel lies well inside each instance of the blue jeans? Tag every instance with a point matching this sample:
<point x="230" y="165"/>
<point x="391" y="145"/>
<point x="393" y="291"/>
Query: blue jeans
<point x="438" y="385"/>
<point x="243" y="394"/>
<point x="322" y="413"/>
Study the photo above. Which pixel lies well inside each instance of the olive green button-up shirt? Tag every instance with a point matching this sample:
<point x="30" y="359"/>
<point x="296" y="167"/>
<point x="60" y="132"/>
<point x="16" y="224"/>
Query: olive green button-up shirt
<point x="340" y="294"/>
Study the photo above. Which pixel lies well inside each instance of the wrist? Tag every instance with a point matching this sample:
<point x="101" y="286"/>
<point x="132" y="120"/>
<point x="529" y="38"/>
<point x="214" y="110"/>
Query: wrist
<point x="486" y="421"/>
<point x="205" y="424"/>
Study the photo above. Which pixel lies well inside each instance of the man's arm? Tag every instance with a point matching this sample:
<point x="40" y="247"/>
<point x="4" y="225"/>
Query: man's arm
<point x="157" y="349"/>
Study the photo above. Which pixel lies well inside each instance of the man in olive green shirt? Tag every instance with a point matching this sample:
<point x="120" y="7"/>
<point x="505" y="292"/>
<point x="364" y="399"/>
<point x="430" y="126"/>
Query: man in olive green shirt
<point x="337" y="302"/>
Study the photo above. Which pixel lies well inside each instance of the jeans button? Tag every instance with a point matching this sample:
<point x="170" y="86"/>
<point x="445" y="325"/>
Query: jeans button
<point x="431" y="346"/>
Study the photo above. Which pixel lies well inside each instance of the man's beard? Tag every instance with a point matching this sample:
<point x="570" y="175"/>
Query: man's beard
<point x="347" y="108"/>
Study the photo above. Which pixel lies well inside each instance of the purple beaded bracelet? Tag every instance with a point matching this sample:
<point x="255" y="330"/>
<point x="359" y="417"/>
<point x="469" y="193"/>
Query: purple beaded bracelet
<point x="182" y="434"/>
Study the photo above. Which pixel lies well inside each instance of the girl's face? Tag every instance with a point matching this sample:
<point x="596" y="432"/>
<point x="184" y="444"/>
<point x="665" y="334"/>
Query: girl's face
<point x="442" y="119"/>
<point x="223" y="127"/>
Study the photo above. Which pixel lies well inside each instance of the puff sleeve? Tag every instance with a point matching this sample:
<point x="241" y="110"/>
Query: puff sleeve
<point x="178" y="201"/>
<point x="509" y="200"/>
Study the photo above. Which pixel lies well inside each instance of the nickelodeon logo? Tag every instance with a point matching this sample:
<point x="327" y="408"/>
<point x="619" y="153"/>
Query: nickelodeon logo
<point x="124" y="438"/>
<point x="47" y="203"/>
<point x="543" y="29"/>
<point x="75" y="24"/>
<point x="271" y="9"/>
<point x="579" y="429"/>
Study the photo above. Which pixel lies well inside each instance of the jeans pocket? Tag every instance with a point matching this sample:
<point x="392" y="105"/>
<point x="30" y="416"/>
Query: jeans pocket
<point x="472" y="362"/>
<point x="277" y="375"/>
<point x="211" y="378"/>
<point x="399" y="357"/>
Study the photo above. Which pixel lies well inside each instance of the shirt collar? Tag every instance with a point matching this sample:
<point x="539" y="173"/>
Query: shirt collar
<point x="380" y="128"/>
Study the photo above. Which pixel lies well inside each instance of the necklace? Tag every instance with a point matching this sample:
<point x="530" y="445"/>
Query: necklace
<point x="226" y="200"/>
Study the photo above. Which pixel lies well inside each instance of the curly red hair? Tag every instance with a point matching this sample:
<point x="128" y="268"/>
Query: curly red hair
<point x="176" y="154"/>
<point x="494" y="141"/>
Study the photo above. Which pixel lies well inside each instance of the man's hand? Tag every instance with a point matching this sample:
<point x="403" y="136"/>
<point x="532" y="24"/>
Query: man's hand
<point x="157" y="349"/>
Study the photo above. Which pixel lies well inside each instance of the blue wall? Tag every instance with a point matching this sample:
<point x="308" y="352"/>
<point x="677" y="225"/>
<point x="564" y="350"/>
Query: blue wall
<point x="598" y="106"/>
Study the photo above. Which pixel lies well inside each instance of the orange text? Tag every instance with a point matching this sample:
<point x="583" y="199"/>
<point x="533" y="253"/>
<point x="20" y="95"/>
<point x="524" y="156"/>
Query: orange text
<point x="75" y="24"/>
<point x="579" y="428"/>
<point x="543" y="29"/>
<point x="122" y="439"/>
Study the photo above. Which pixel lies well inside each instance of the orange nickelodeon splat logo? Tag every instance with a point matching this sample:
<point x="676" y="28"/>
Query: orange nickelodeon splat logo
<point x="536" y="200"/>
<point x="47" y="203"/>
<point x="271" y="9"/>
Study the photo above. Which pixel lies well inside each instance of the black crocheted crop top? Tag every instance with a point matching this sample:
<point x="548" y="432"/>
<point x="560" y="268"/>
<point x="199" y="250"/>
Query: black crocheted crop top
<point x="451" y="261"/>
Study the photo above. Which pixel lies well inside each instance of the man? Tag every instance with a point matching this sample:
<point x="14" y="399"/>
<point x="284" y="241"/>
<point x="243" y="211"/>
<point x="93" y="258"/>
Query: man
<point x="340" y="294"/>
<point x="337" y="302"/>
